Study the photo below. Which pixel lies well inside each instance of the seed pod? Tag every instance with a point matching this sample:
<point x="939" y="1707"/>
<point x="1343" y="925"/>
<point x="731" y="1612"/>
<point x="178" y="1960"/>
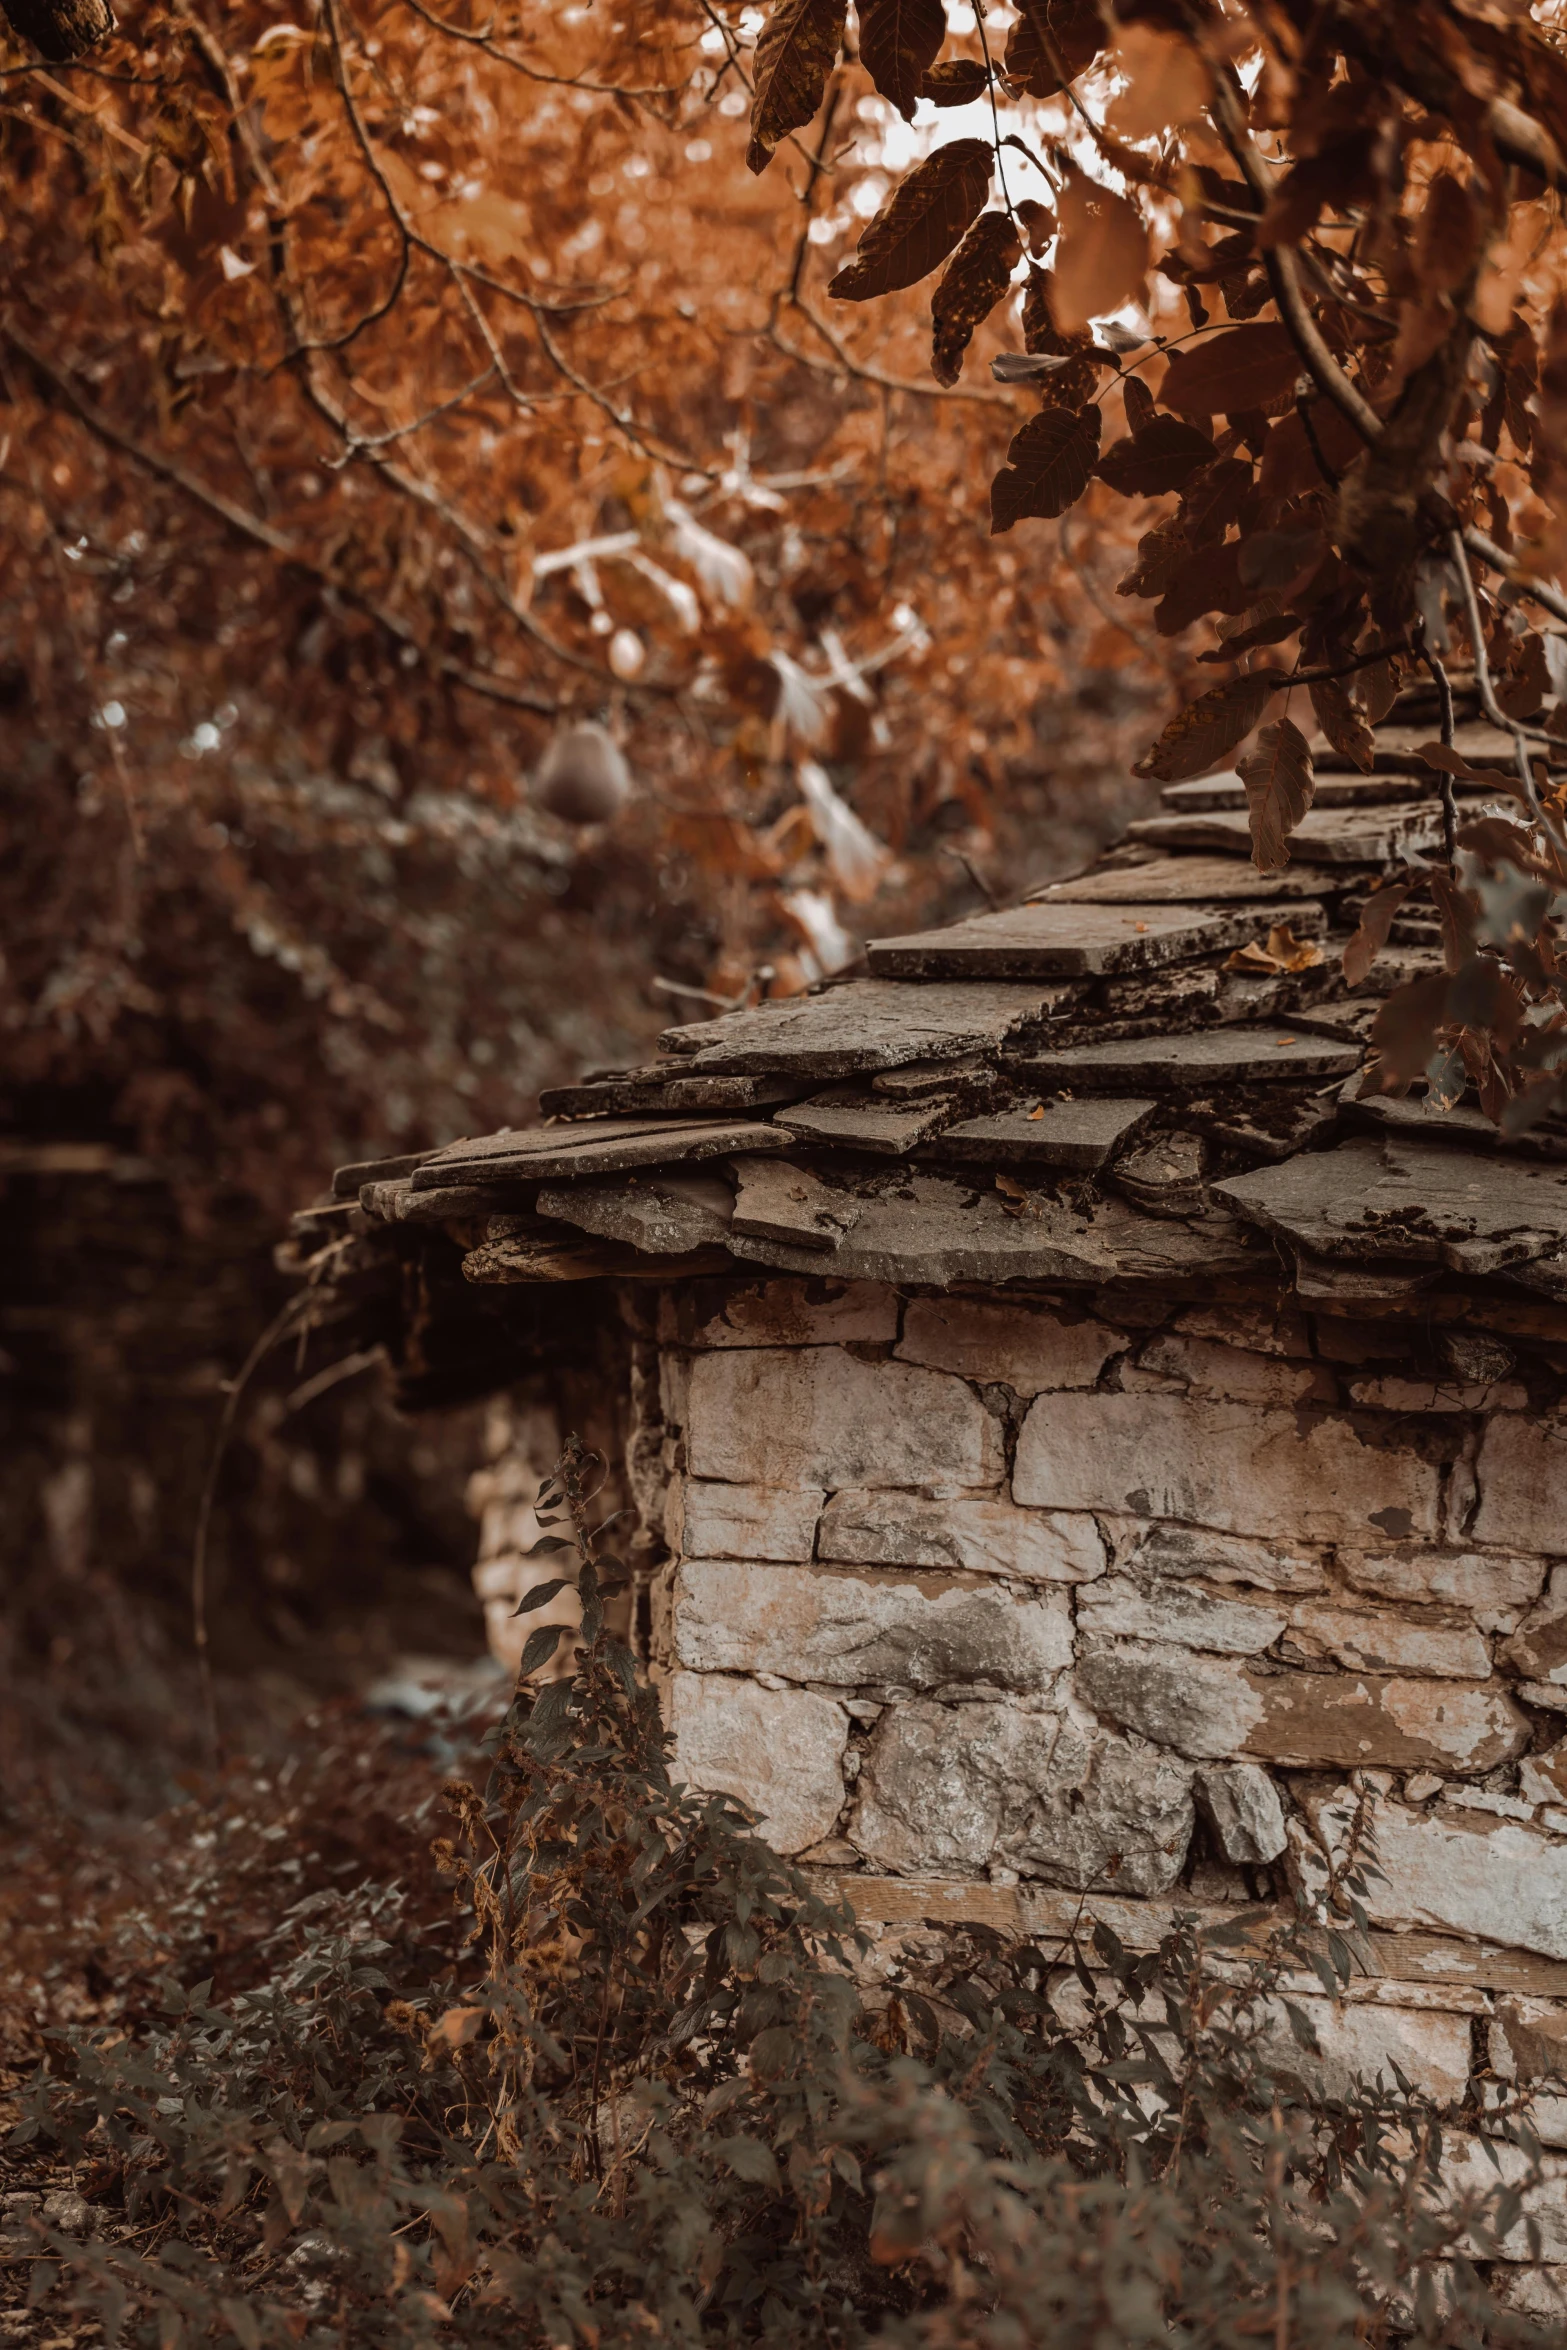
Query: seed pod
<point x="583" y="777"/>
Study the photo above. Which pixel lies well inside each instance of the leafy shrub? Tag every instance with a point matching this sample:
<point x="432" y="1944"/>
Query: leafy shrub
<point x="643" y="2094"/>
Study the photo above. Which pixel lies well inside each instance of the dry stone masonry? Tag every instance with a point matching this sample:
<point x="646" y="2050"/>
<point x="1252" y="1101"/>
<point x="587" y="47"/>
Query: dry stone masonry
<point x="1089" y="1446"/>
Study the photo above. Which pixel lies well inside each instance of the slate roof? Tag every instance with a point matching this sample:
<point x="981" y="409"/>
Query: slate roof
<point x="1118" y="1081"/>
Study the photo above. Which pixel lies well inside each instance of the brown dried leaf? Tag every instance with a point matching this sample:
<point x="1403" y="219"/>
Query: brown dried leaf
<point x="797" y="51"/>
<point x="1038" y="223"/>
<point x="920" y="222"/>
<point x="1053" y="42"/>
<point x="1279" y="780"/>
<point x="1523" y="684"/>
<point x="956" y="81"/>
<point x="1242" y="368"/>
<point x="1201" y="737"/>
<point x="973" y="282"/>
<point x="1344" y="722"/>
<point x="899" y="43"/>
<point x="1047" y="467"/>
<point x="1156" y="457"/>
<point x="1376" y="923"/>
<point x="1404" y="1034"/>
<point x="1449" y="233"/>
<point x="1281" y="950"/>
<point x="1102" y="259"/>
<point x="1140" y="409"/>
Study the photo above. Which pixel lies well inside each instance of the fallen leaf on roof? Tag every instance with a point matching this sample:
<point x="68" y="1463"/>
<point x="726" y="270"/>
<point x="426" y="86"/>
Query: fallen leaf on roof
<point x="1280" y="951"/>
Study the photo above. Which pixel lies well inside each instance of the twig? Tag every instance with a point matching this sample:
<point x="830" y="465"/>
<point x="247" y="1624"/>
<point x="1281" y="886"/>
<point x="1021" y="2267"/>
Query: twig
<point x="1445" y="781"/>
<point x="876" y="375"/>
<point x="1489" y="703"/>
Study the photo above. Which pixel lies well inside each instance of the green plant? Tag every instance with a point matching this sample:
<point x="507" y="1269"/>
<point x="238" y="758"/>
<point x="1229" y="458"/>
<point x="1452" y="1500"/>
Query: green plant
<point x="645" y="2093"/>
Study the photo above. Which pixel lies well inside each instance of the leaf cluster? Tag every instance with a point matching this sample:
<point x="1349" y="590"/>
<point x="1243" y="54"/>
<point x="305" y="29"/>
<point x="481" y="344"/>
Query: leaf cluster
<point x="659" y="2093"/>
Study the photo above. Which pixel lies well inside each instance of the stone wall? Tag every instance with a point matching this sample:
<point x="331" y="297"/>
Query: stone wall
<point x="991" y="1603"/>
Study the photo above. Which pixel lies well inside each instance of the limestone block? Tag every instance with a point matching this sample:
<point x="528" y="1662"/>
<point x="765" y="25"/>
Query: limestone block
<point x="1534" y="2035"/>
<point x="1522" y="1472"/>
<point x="710" y="1520"/>
<point x="1209" y="1367"/>
<point x="1193" y="1551"/>
<point x="1242" y="1806"/>
<point x="1243" y="1468"/>
<point x="891" y="1529"/>
<point x="777" y="1312"/>
<point x="1259" y="1332"/>
<point x="1457" y="1871"/>
<point x="779" y="1750"/>
<point x="1390" y="1393"/>
<point x="1359" y="2041"/>
<point x="1208" y="1706"/>
<point x="1137" y="1608"/>
<point x="1538" y="1649"/>
<point x="818" y="1416"/>
<point x="1539" y="2294"/>
<point x="1542" y="1778"/>
<point x="1023" y="1347"/>
<point x="1494" y="1587"/>
<point x="827" y="1625"/>
<point x="1383" y="1640"/>
<point x="956" y="1789"/>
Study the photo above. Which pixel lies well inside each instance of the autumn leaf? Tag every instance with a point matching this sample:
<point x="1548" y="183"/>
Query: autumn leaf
<point x="1404" y="1034"/>
<point x="1047" y="467"/>
<point x="956" y="81"/>
<point x="1344" y="722"/>
<point x="1102" y="259"/>
<point x="899" y="42"/>
<point x="974" y="281"/>
<point x="1200" y="737"/>
<point x="1140" y="409"/>
<point x="1037" y="221"/>
<point x="1375" y="928"/>
<point x="1449" y="233"/>
<point x="920" y="222"/>
<point x="1245" y="367"/>
<point x="1279" y="782"/>
<point x="1167" y="82"/>
<point x="1053" y="42"/>
<point x="796" y="52"/>
<point x="1159" y="456"/>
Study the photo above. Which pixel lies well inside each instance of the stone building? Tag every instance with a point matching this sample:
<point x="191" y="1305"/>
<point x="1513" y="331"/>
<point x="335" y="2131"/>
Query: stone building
<point x="1081" y="1443"/>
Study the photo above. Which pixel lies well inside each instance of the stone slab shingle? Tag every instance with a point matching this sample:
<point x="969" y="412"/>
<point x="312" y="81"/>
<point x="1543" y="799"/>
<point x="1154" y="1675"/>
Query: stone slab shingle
<point x="1190" y="881"/>
<point x="1307" y="1476"/>
<point x="817" y="1416"/>
<point x="1331" y="835"/>
<point x="597" y="1146"/>
<point x="1212" y="1056"/>
<point x="1076" y="1135"/>
<point x="1409" y="1202"/>
<point x="1038" y="941"/>
<point x="863" y="1025"/>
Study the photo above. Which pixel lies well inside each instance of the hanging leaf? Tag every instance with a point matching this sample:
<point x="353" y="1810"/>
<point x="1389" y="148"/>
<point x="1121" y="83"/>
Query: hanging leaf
<point x="1344" y="722"/>
<point x="1245" y="367"/>
<point x="1202" y="736"/>
<point x="541" y="1595"/>
<point x="1102" y="259"/>
<point x="974" y="281"/>
<point x="899" y="42"/>
<point x="1053" y="42"/>
<point x="797" y="51"/>
<point x="1047" y="466"/>
<point x="1038" y="223"/>
<point x="542" y="1645"/>
<point x="1404" y="1034"/>
<point x="1375" y="928"/>
<point x="1279" y="782"/>
<point x="1140" y="410"/>
<point x="1158" y="456"/>
<point x="920" y="222"/>
<point x="956" y="81"/>
<point x="1449" y="232"/>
